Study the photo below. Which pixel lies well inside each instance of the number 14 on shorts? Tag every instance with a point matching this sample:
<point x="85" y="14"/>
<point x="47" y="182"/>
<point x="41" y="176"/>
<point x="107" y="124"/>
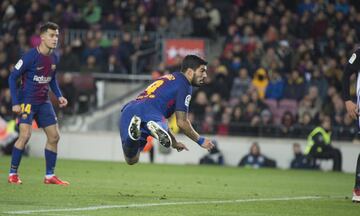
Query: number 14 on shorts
<point x="26" y="108"/>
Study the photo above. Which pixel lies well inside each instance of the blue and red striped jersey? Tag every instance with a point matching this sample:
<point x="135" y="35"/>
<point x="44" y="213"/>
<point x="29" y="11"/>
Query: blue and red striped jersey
<point x="167" y="94"/>
<point x="37" y="73"/>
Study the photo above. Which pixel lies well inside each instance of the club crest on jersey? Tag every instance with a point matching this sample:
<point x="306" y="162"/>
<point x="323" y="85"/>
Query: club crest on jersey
<point x="42" y="79"/>
<point x="24" y="116"/>
<point x="187" y="100"/>
<point x="53" y="67"/>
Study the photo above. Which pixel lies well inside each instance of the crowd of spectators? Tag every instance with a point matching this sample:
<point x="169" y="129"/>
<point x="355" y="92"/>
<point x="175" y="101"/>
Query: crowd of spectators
<point x="139" y="24"/>
<point x="279" y="73"/>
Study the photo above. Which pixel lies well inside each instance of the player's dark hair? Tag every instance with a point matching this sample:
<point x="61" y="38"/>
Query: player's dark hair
<point x="192" y="62"/>
<point x="48" y="25"/>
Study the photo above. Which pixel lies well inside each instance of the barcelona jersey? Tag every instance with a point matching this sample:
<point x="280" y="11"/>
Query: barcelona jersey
<point x="37" y="73"/>
<point x="166" y="95"/>
<point x="157" y="102"/>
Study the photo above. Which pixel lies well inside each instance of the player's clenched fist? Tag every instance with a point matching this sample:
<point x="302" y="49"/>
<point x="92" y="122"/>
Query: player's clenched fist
<point x="62" y="102"/>
<point x="16" y="109"/>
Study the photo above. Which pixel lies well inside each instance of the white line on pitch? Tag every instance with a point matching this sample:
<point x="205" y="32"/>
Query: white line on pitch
<point x="143" y="205"/>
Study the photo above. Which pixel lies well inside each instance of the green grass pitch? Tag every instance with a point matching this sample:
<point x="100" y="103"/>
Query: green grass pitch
<point x="113" y="188"/>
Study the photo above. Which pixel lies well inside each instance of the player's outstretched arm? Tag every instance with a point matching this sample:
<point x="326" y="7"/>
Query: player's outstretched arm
<point x="185" y="125"/>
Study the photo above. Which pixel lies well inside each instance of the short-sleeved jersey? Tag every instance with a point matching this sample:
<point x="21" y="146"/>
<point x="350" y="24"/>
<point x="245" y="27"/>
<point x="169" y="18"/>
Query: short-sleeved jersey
<point x="166" y="95"/>
<point x="37" y="72"/>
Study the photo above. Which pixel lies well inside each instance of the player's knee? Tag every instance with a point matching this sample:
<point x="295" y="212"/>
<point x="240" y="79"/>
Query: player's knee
<point x="24" y="136"/>
<point x="54" y="139"/>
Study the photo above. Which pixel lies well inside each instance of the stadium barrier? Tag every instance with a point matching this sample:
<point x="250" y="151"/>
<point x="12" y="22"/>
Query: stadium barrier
<point x="106" y="146"/>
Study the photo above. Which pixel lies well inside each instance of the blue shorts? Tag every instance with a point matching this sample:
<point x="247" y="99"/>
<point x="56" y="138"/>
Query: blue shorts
<point x="132" y="147"/>
<point x="43" y="114"/>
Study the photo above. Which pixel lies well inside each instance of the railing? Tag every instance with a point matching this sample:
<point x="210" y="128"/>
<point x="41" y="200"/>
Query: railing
<point x="296" y="131"/>
<point x="71" y="35"/>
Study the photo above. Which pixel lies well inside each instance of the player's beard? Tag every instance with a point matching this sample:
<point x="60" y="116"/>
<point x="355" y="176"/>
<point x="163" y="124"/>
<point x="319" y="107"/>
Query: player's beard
<point x="196" y="83"/>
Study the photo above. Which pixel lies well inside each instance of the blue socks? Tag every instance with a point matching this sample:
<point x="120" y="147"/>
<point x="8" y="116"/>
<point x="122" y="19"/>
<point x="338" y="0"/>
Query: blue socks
<point x="15" y="160"/>
<point x="50" y="158"/>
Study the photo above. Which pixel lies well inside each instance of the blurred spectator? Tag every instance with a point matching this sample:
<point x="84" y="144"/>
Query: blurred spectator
<point x="260" y="82"/>
<point x="4" y="76"/>
<point x="214" y="157"/>
<point x="114" y="66"/>
<point x="270" y="60"/>
<point x="181" y="24"/>
<point x="6" y="105"/>
<point x="241" y="84"/>
<point x="163" y="26"/>
<point x="285" y="53"/>
<point x="237" y="120"/>
<point x="287" y="125"/>
<point x="320" y="82"/>
<point x="92" y="12"/>
<point x="266" y="119"/>
<point x="295" y="86"/>
<point x="305" y="124"/>
<point x="91" y="65"/>
<point x="255" y="159"/>
<point x="221" y="82"/>
<point x="69" y="91"/>
<point x="208" y="125"/>
<point x="198" y="105"/>
<point x="300" y="161"/>
<point x="275" y="88"/>
<point x="69" y="61"/>
<point x="93" y="49"/>
<point x="200" y="23"/>
<point x="214" y="18"/>
<point x="126" y="51"/>
<point x="223" y="128"/>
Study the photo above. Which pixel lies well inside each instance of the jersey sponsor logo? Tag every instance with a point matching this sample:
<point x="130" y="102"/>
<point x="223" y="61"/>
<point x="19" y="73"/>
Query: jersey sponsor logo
<point x="187" y="100"/>
<point x="39" y="68"/>
<point x="19" y="64"/>
<point x="352" y="58"/>
<point x="41" y="79"/>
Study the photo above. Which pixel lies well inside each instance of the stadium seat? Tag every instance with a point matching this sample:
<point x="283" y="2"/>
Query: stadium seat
<point x="289" y="105"/>
<point x="272" y="104"/>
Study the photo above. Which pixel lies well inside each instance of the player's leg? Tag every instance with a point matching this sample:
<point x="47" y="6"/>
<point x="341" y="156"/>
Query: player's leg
<point x="53" y="137"/>
<point x="18" y="149"/>
<point x="47" y="120"/>
<point x="356" y="191"/>
<point x="130" y="133"/>
<point x="159" y="130"/>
